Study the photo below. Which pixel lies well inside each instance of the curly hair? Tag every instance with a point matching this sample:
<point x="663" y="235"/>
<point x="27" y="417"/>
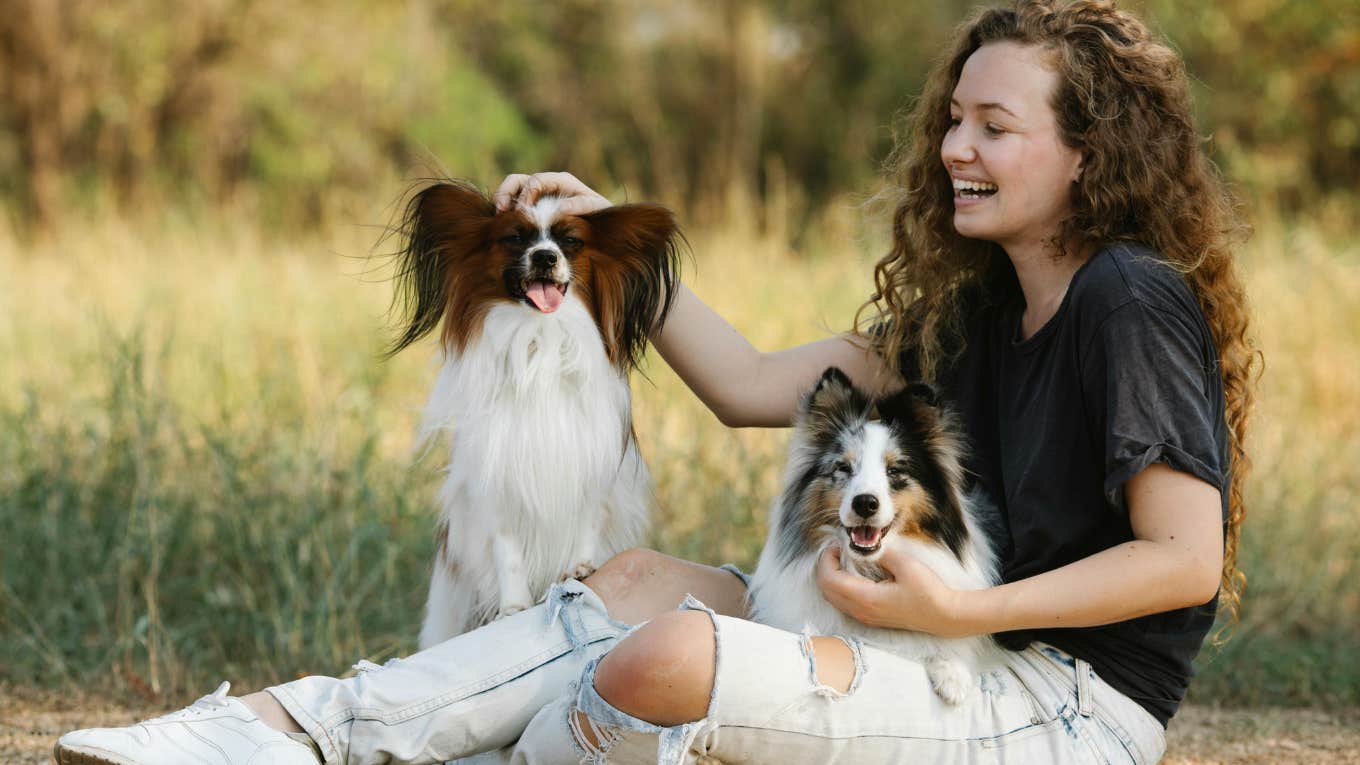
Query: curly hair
<point x="1123" y="98"/>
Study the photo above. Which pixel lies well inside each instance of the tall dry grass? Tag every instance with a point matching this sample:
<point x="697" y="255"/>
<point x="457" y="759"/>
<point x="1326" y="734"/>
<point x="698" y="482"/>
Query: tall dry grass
<point x="206" y="469"/>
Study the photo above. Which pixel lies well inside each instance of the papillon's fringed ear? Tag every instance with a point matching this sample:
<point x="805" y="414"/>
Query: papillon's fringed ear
<point x="442" y="221"/>
<point x="636" y="281"/>
<point x="833" y="401"/>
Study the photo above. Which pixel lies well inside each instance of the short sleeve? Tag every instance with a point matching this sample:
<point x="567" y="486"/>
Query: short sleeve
<point x="1151" y="382"/>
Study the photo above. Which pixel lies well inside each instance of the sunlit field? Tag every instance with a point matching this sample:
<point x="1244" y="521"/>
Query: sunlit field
<point x="206" y="467"/>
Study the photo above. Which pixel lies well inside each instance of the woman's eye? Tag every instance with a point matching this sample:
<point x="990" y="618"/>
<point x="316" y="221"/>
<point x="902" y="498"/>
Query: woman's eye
<point x="994" y="129"/>
<point x="954" y="121"/>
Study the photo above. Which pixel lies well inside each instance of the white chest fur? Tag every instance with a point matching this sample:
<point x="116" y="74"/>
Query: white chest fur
<point x="544" y="478"/>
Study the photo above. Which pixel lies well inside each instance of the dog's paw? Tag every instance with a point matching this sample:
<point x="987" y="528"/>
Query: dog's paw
<point x="580" y="571"/>
<point x="508" y="609"/>
<point x="952" y="680"/>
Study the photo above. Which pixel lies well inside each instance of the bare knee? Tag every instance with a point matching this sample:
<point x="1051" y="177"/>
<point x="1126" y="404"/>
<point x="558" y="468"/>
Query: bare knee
<point x="664" y="672"/>
<point x="834" y="661"/>
<point x="640" y="584"/>
<point x="623" y="584"/>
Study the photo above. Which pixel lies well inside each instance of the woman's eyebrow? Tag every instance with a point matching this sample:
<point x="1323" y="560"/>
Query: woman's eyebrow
<point x="989" y="105"/>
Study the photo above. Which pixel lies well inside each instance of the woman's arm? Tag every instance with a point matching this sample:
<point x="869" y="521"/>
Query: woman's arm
<point x="743" y="386"/>
<point x="1174" y="561"/>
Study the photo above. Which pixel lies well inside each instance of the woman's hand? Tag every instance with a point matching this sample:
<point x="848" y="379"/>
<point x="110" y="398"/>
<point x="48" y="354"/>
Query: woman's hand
<point x="912" y="598"/>
<point x="577" y="198"/>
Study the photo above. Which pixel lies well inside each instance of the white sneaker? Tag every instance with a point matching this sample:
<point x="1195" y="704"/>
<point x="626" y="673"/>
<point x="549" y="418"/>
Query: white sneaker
<point x="215" y="729"/>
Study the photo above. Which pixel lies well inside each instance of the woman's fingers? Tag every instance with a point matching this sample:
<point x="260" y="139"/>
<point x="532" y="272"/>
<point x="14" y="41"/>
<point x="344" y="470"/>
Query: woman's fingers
<point x="852" y="595"/>
<point x="577" y="198"/>
<point x="509" y="189"/>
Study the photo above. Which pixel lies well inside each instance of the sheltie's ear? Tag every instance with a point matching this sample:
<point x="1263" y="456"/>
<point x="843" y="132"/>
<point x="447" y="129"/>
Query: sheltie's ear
<point x="832" y="404"/>
<point x="919" y="412"/>
<point x="634" y="283"/>
<point x="443" y="223"/>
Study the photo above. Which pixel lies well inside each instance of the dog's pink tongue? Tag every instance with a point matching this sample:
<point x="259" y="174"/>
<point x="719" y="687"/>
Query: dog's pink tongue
<point x="545" y="295"/>
<point x="864" y="536"/>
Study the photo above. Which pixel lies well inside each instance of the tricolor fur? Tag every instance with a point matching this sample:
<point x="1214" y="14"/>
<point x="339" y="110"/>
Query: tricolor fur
<point x="542" y="316"/>
<point x="866" y="483"/>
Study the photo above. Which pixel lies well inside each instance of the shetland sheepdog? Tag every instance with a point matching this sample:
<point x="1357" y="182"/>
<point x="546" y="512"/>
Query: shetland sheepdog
<point x="866" y="483"/>
<point x="542" y="316"/>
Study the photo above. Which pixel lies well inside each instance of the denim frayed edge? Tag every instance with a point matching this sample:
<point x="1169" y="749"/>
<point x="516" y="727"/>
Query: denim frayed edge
<point x="671" y="742"/>
<point x="573" y="591"/>
<point x="732" y="569"/>
<point x="856" y="647"/>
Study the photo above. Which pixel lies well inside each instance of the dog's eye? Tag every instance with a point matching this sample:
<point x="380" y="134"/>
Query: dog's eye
<point x="513" y="238"/>
<point x="843" y="466"/>
<point x="571" y="241"/>
<point x="896" y="472"/>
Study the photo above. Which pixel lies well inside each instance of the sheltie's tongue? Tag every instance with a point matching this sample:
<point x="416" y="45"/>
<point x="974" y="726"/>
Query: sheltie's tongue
<point x="545" y="295"/>
<point x="865" y="536"/>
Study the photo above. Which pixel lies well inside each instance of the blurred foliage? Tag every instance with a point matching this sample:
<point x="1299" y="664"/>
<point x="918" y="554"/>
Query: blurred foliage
<point x="778" y="106"/>
<point x="206" y="467"/>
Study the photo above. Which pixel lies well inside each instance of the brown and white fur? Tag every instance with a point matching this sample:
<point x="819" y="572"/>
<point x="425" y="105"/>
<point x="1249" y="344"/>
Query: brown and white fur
<point x="542" y="317"/>
<point x="866" y="483"/>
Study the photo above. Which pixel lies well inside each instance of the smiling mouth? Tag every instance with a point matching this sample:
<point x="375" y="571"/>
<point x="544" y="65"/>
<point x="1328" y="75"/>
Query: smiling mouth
<point x="973" y="189"/>
<point x="866" y="540"/>
<point x="544" y="294"/>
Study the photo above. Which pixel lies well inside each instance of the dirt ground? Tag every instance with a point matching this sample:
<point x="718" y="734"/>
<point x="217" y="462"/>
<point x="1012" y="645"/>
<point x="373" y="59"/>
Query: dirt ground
<point x="31" y="720"/>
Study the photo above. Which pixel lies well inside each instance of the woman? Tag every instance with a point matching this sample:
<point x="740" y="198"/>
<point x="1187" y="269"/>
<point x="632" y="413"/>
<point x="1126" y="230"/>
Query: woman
<point x="1061" y="269"/>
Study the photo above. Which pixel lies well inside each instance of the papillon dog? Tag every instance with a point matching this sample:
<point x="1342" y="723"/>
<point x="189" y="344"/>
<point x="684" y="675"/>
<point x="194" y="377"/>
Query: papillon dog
<point x="866" y="483"/>
<point x="542" y="316"/>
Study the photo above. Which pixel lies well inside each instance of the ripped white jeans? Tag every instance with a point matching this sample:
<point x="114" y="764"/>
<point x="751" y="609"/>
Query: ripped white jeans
<point x="479" y="691"/>
<point x="767" y="706"/>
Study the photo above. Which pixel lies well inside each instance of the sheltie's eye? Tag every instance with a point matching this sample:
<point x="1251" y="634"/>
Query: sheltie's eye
<point x="895" y="472"/>
<point x="842" y="468"/>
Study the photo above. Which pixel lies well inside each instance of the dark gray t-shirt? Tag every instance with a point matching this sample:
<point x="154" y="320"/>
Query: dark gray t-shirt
<point x="1124" y="375"/>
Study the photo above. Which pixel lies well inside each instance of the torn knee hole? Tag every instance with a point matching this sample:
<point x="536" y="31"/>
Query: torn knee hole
<point x="834" y="664"/>
<point x="593" y="738"/>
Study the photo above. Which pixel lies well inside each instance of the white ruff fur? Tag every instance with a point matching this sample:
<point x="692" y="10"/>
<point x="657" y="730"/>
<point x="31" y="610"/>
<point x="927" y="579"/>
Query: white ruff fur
<point x="544" y="480"/>
<point x="784" y="591"/>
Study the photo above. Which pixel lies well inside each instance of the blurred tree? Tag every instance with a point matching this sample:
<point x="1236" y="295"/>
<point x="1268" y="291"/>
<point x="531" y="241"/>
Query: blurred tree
<point x="1278" y="83"/>
<point x="733" y="110"/>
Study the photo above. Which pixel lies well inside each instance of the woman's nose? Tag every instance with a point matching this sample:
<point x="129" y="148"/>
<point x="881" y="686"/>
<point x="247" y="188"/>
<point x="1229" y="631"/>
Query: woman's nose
<point x="956" y="147"/>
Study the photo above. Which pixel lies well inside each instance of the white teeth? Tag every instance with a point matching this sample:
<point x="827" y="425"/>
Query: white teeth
<point x="960" y="185"/>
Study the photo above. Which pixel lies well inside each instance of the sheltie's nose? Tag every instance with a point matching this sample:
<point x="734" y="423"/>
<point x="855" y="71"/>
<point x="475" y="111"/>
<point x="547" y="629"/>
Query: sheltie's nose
<point x="864" y="505"/>
<point x="544" y="259"/>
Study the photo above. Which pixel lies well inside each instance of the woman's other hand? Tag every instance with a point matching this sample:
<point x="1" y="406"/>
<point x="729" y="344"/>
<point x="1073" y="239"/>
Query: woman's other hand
<point x="913" y="597"/>
<point x="524" y="190"/>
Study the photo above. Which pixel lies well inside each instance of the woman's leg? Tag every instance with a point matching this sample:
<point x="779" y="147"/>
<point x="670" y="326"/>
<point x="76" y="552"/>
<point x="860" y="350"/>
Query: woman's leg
<point x="477" y="691"/>
<point x="680" y="689"/>
<point x="634" y="585"/>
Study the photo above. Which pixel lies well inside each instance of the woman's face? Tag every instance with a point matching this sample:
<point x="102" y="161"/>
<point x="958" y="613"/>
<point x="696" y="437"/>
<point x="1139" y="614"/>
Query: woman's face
<point x="1004" y="138"/>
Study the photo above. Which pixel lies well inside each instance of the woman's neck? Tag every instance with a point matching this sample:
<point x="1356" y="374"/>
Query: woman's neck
<point x="1044" y="280"/>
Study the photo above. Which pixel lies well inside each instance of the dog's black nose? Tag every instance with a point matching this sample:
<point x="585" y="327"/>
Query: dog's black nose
<point x="543" y="258"/>
<point x="864" y="505"/>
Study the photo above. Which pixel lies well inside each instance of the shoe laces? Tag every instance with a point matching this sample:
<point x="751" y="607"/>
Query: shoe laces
<point x="213" y="702"/>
